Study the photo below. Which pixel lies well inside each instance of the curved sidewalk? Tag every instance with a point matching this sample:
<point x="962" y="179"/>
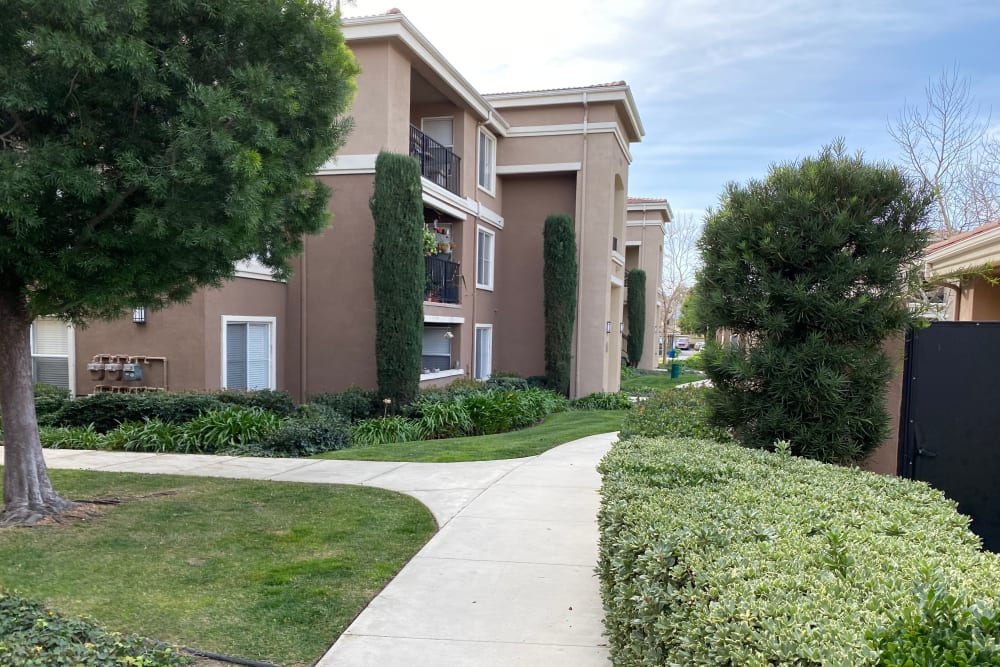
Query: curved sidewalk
<point x="507" y="580"/>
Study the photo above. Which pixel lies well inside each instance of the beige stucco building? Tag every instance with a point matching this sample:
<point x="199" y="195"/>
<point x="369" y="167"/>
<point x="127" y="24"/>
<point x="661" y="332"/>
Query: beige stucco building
<point x="969" y="261"/>
<point x="493" y="166"/>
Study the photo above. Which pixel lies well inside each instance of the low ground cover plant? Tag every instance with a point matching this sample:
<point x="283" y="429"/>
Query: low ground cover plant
<point x="712" y="554"/>
<point x="32" y="634"/>
<point x="602" y="401"/>
<point x="461" y="411"/>
<point x="675" y="412"/>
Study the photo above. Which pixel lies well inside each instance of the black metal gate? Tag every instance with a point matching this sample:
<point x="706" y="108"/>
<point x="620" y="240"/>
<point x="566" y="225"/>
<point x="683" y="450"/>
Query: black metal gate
<point x="951" y="418"/>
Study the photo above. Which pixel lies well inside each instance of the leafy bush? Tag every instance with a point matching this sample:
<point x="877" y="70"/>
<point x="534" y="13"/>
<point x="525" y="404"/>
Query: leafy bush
<point x="536" y="381"/>
<point x="695" y="362"/>
<point x="71" y="437"/>
<point x="229" y="428"/>
<point x="945" y="631"/>
<point x="602" y="401"/>
<point x="444" y="418"/>
<point x="302" y="437"/>
<point x="499" y="411"/>
<point x="676" y="413"/>
<point x="384" y="430"/>
<point x="150" y="435"/>
<point x="353" y="404"/>
<point x="711" y="554"/>
<point x="32" y="635"/>
<point x="106" y="410"/>
<point x="507" y="381"/>
<point x="48" y="401"/>
<point x="278" y="402"/>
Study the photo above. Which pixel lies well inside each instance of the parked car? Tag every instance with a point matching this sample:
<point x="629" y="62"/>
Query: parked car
<point x="699" y="346"/>
<point x="681" y="343"/>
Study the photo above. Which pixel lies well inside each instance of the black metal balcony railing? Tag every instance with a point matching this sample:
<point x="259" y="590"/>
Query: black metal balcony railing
<point x="437" y="163"/>
<point x="442" y="280"/>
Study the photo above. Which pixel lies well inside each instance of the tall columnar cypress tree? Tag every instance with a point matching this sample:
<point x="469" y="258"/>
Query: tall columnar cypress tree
<point x="398" y="275"/>
<point x="636" y="279"/>
<point x="808" y="272"/>
<point x="560" y="278"/>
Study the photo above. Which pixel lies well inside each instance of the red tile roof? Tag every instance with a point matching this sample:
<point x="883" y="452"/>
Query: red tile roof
<point x="646" y="200"/>
<point x="952" y="240"/>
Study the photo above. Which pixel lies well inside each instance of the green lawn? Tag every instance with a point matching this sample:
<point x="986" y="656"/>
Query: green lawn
<point x="260" y="570"/>
<point x="657" y="380"/>
<point x="555" y="430"/>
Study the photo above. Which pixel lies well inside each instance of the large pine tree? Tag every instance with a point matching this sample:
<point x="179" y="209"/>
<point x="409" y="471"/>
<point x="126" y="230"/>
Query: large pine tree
<point x="807" y="273"/>
<point x="560" y="275"/>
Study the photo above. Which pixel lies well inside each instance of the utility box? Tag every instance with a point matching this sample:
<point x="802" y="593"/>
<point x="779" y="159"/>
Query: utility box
<point x="113" y="371"/>
<point x="96" y="371"/>
<point x="132" y="372"/>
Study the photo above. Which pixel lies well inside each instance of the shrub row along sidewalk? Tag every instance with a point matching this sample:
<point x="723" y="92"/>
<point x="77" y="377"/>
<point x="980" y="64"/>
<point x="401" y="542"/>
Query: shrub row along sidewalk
<point x="712" y="554"/>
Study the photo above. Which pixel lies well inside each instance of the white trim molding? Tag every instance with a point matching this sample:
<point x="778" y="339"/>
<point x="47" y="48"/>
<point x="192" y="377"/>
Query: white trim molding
<point x="633" y="244"/>
<point x="443" y="319"/>
<point x="448" y="202"/>
<point x="620" y="93"/>
<point x="490" y="281"/>
<point x="969" y="254"/>
<point x="545" y="168"/>
<point x="451" y="372"/>
<point x="616" y="281"/>
<point x="348" y="164"/>
<point x="252" y="268"/>
<point x="574" y="128"/>
<point x="617" y="258"/>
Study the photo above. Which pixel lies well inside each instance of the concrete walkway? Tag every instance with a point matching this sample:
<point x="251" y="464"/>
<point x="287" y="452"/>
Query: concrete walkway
<point x="507" y="581"/>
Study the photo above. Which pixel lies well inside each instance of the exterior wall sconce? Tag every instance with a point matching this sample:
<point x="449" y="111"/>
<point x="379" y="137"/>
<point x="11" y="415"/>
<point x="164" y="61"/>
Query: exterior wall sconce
<point x="449" y="335"/>
<point x="607" y="329"/>
<point x="621" y="328"/>
<point x="139" y="315"/>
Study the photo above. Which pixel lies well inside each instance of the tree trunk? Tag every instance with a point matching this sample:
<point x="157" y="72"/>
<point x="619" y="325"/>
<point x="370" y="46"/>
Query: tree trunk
<point x="27" y="492"/>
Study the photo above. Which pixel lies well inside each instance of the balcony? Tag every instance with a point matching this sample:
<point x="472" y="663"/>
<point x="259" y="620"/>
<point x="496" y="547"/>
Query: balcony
<point x="442" y="280"/>
<point x="438" y="163"/>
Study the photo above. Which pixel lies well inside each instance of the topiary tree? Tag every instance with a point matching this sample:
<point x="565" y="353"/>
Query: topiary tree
<point x="636" y="281"/>
<point x="560" y="279"/>
<point x="807" y="273"/>
<point x="398" y="274"/>
<point x="145" y="147"/>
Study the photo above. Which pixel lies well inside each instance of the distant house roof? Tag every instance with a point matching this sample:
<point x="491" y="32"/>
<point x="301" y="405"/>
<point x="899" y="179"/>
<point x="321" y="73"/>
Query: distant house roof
<point x="968" y="251"/>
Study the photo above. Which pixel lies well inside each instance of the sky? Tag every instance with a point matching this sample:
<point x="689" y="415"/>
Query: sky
<point x="724" y="88"/>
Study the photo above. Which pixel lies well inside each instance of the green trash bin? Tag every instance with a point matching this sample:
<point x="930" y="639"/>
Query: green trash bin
<point x="675" y="370"/>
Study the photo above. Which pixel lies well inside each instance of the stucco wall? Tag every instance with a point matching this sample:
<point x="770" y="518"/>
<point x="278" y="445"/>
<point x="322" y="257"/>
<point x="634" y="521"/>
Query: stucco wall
<point x="520" y="330"/>
<point x="188" y="335"/>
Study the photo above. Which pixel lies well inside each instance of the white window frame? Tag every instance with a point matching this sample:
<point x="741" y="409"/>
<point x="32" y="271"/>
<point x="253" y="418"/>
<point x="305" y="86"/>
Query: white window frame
<point x="475" y="353"/>
<point x="491" y="271"/>
<point x="70" y="355"/>
<point x="490" y="175"/>
<point x="272" y="347"/>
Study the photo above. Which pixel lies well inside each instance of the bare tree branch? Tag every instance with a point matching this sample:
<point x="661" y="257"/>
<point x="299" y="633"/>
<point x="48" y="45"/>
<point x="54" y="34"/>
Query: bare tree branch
<point x="680" y="263"/>
<point x="945" y="145"/>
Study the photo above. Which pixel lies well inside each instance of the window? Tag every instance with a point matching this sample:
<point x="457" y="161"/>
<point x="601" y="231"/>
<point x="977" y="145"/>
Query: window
<point x="248" y="353"/>
<point x="484" y="258"/>
<point x="50" y="350"/>
<point x="436" y="352"/>
<point x="484" y="351"/>
<point x="440" y="130"/>
<point x="487" y="161"/>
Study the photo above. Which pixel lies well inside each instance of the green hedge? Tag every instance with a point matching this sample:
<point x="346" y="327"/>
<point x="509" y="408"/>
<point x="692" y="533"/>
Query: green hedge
<point x="675" y="412"/>
<point x="107" y="411"/>
<point x="711" y="554"/>
<point x="32" y="635"/>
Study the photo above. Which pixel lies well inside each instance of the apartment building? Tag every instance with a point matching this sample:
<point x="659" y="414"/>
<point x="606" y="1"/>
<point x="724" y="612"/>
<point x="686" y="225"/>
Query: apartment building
<point x="493" y="167"/>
